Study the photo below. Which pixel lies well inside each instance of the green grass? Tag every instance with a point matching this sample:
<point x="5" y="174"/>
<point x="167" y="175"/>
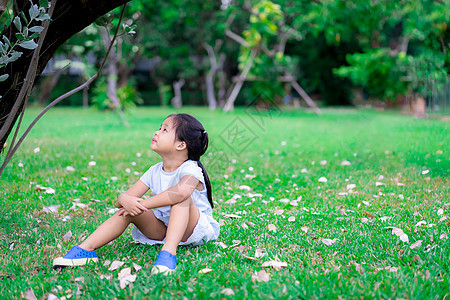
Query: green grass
<point x="274" y="148"/>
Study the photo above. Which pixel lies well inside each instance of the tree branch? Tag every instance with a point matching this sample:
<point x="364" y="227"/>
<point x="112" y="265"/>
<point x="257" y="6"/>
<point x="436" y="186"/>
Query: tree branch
<point x="236" y="37"/>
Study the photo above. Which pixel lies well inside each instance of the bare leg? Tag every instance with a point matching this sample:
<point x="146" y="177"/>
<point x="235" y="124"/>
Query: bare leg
<point x="182" y="221"/>
<point x="112" y="228"/>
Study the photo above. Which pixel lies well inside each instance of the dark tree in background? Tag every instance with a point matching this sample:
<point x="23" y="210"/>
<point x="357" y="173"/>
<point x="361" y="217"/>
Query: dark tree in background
<point x="69" y="17"/>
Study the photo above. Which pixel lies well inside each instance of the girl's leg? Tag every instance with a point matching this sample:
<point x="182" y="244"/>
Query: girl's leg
<point x="112" y="228"/>
<point x="182" y="221"/>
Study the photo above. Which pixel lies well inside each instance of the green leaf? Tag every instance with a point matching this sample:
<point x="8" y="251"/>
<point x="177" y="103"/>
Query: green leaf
<point x="24" y="17"/>
<point x="6" y="40"/>
<point x="43" y="18"/>
<point x="44" y="3"/>
<point x="33" y="11"/>
<point x="28" y="45"/>
<point x="36" y="29"/>
<point x="17" y="23"/>
<point x="20" y="36"/>
<point x="3" y="77"/>
<point x="14" y="56"/>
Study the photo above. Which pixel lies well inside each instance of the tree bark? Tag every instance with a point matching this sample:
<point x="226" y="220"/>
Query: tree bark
<point x="229" y="105"/>
<point x="69" y="17"/>
<point x="177" y="101"/>
<point x="112" y="71"/>
<point x="209" y="78"/>
<point x="48" y="84"/>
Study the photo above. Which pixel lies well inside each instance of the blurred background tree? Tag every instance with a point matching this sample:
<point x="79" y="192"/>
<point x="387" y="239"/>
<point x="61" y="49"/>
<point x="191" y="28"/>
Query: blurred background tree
<point x="188" y="52"/>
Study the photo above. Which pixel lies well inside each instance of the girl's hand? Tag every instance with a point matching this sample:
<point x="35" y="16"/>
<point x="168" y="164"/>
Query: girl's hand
<point x="131" y="207"/>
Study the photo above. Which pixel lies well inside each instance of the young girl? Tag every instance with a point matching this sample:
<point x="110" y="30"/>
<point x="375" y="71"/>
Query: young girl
<point x="182" y="201"/>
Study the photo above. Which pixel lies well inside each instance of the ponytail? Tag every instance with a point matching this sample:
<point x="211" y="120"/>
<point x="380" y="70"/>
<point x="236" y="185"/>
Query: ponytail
<point x="207" y="183"/>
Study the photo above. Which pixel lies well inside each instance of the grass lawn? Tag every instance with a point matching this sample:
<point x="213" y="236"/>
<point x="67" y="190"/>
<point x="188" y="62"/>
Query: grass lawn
<point x="343" y="199"/>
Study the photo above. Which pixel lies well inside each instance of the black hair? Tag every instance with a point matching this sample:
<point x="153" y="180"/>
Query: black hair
<point x="189" y="130"/>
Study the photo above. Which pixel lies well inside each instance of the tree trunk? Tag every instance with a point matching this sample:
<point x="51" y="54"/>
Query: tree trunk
<point x="221" y="81"/>
<point x="229" y="105"/>
<point x="47" y="86"/>
<point x="112" y="71"/>
<point x="126" y="70"/>
<point x="177" y="101"/>
<point x="212" y="102"/>
<point x="85" y="98"/>
<point x="209" y="79"/>
<point x="69" y="17"/>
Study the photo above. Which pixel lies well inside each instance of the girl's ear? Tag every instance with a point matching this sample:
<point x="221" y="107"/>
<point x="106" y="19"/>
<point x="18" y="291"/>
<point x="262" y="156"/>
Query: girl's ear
<point x="181" y="146"/>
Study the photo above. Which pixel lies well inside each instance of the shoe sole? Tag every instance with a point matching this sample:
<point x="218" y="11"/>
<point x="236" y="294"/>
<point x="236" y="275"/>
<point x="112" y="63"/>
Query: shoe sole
<point x="161" y="270"/>
<point x="61" y="262"/>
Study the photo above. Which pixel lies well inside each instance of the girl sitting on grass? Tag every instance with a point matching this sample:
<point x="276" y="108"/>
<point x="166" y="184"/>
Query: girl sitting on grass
<point x="182" y="201"/>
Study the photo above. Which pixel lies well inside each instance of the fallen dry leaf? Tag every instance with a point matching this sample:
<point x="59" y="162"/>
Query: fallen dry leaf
<point x="221" y="244"/>
<point x="250" y="258"/>
<point x="329" y="242"/>
<point x="345" y="163"/>
<point x="403" y="236"/>
<point x="51" y="208"/>
<point x="323" y="179"/>
<point x="364" y="220"/>
<point x="420" y="223"/>
<point x="227" y="291"/>
<point x="279" y="212"/>
<point x="260" y="253"/>
<point x="359" y="268"/>
<point x="52" y="297"/>
<point x="29" y="294"/>
<point x="272" y="227"/>
<point x="115" y="265"/>
<point x="304" y="228"/>
<point x="127" y="280"/>
<point x="291" y="219"/>
<point x="124" y="272"/>
<point x="67" y="236"/>
<point x="443" y="236"/>
<point x="232" y="216"/>
<point x="367" y="214"/>
<point x="136" y="267"/>
<point x="205" y="271"/>
<point x="416" y="244"/>
<point x="260" y="276"/>
<point x="277" y="265"/>
<point x="231" y="201"/>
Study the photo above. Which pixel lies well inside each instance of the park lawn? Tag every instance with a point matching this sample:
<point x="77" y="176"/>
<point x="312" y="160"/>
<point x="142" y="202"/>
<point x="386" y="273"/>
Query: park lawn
<point x="268" y="171"/>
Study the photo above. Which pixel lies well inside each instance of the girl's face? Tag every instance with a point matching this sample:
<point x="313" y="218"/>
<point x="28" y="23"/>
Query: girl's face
<point x="164" y="140"/>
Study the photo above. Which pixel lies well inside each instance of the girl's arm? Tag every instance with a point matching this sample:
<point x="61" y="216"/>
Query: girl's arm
<point x="131" y="198"/>
<point x="175" y="194"/>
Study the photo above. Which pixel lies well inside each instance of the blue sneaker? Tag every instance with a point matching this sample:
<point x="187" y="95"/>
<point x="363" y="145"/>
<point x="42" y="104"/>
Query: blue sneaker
<point x="165" y="263"/>
<point x="75" y="257"/>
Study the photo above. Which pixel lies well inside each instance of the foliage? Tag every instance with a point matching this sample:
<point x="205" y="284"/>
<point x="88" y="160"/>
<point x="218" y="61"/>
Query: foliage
<point x="25" y="36"/>
<point x="377" y="72"/>
<point x="128" y="96"/>
<point x="384" y="30"/>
